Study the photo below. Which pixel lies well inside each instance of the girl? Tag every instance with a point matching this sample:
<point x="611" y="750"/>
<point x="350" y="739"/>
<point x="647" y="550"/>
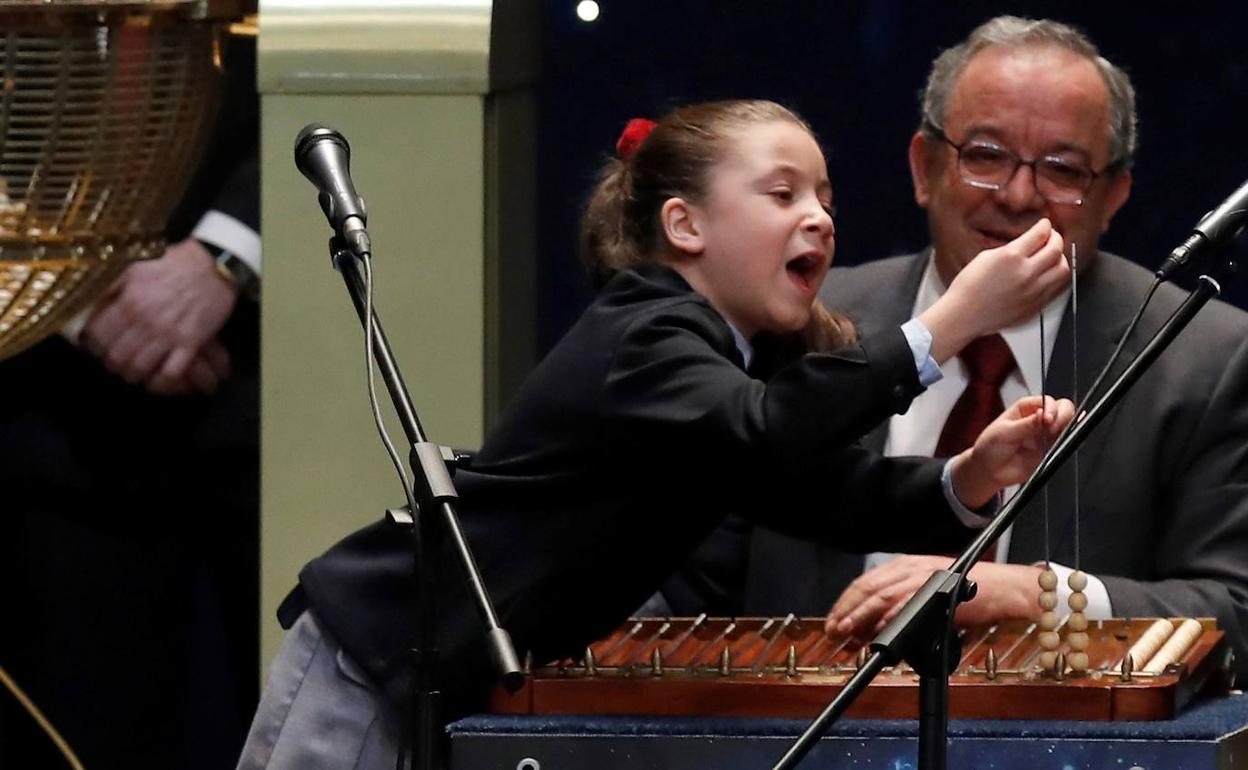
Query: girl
<point x="642" y="429"/>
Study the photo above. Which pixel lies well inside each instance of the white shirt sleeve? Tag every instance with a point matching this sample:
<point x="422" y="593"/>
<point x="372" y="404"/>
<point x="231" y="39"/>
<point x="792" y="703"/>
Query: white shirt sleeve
<point x="1099" y="607"/>
<point x="976" y="519"/>
<point x="230" y="234"/>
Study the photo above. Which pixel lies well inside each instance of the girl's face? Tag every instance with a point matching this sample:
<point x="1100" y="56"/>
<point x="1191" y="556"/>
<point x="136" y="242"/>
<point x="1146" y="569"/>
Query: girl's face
<point x="765" y="229"/>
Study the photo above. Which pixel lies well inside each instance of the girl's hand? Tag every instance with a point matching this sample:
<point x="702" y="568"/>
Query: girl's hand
<point x="999" y="288"/>
<point x="1010" y="448"/>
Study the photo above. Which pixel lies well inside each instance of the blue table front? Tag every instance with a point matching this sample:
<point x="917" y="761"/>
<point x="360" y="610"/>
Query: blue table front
<point x="1207" y="736"/>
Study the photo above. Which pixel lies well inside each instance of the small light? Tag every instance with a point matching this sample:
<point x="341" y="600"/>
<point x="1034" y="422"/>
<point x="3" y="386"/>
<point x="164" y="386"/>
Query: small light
<point x="587" y="10"/>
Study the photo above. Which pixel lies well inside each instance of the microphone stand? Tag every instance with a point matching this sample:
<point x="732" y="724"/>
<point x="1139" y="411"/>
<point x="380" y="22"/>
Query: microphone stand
<point x="922" y="634"/>
<point x="433" y="491"/>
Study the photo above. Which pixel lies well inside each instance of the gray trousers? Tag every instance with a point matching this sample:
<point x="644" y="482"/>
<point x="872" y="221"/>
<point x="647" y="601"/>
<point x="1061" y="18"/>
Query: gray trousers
<point x="319" y="712"/>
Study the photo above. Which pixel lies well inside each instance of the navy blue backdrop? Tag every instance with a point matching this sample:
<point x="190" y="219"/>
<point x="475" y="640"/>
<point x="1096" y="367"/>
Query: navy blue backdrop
<point x="853" y="69"/>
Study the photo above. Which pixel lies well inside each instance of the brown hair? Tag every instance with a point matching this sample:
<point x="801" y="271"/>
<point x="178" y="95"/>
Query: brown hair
<point x="620" y="228"/>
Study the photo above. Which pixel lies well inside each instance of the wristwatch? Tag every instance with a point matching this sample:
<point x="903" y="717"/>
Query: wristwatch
<point x="235" y="270"/>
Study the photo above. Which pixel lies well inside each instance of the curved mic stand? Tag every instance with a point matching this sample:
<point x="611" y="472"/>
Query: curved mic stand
<point x="921" y="632"/>
<point x="433" y="491"/>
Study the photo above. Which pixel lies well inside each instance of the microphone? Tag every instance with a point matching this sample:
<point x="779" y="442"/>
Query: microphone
<point x="1215" y="228"/>
<point x="324" y="157"/>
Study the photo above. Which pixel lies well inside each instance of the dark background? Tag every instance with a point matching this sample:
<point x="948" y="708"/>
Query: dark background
<point x="853" y="70"/>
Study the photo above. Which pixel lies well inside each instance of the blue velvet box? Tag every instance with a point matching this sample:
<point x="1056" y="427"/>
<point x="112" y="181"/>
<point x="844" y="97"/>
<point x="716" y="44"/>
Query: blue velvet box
<point x="1208" y="735"/>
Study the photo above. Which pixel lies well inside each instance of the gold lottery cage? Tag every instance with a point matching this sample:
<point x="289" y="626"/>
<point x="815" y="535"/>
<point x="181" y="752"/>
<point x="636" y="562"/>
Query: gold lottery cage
<point x="105" y="107"/>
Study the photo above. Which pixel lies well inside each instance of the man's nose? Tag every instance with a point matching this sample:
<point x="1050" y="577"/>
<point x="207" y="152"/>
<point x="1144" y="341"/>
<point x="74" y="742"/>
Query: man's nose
<point x="1020" y="193"/>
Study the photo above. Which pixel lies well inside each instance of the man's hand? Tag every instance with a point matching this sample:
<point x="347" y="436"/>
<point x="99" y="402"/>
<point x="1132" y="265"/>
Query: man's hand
<point x="157" y="323"/>
<point x="1006" y="591"/>
<point x="1010" y="448"/>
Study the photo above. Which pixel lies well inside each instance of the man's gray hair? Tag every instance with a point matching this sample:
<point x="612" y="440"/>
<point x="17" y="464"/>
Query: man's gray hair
<point x="1015" y="32"/>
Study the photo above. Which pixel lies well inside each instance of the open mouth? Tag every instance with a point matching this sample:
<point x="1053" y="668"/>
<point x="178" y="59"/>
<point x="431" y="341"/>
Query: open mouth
<point x="804" y="270"/>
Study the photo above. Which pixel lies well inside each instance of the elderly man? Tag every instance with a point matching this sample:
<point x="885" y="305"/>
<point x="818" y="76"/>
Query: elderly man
<point x="1025" y="120"/>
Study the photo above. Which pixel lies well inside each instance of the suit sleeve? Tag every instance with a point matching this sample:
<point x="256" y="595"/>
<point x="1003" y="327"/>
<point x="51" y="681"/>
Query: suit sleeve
<point x="786" y="445"/>
<point x="239" y="195"/>
<point x="227" y="179"/>
<point x="1201" y="559"/>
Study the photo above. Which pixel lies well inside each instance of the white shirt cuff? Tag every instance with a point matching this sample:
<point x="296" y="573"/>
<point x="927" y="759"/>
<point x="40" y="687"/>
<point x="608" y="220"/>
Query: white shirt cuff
<point x="920" y="340"/>
<point x="230" y="234"/>
<point x="1099" y="607"/>
<point x="975" y="519"/>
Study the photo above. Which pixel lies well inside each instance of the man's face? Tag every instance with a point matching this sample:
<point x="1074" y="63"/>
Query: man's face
<point x="1036" y="102"/>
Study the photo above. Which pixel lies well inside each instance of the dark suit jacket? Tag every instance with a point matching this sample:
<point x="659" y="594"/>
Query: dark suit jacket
<point x="624" y="449"/>
<point x="1163" y="481"/>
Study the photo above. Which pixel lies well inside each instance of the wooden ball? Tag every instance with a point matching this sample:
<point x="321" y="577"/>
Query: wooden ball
<point x="1049" y="640"/>
<point x="1078" y="661"/>
<point x="1048" y="600"/>
<point x="1078" y="601"/>
<point x="1078" y="580"/>
<point x="1077" y="622"/>
<point x="1048" y="660"/>
<point x="1077" y="640"/>
<point x="1048" y="580"/>
<point x="1048" y="620"/>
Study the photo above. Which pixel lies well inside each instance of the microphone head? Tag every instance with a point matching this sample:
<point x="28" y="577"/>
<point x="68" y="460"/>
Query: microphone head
<point x="1225" y="222"/>
<point x="311" y="135"/>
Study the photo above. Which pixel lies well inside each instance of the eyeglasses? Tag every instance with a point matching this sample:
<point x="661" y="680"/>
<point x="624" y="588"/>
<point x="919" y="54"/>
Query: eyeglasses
<point x="989" y="166"/>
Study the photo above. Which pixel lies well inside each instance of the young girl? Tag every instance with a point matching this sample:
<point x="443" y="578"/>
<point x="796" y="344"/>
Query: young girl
<point x="642" y="429"/>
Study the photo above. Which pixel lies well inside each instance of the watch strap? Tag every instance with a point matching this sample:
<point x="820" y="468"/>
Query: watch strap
<point x="234" y="269"/>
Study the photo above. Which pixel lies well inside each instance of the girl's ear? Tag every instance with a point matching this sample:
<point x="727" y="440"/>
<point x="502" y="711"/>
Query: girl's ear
<point x="680" y="226"/>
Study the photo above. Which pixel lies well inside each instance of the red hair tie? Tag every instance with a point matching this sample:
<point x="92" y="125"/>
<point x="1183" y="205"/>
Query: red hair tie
<point x="632" y="136"/>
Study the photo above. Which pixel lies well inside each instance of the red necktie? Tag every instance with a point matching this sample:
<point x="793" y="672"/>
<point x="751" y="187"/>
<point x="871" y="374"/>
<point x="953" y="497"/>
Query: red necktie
<point x="988" y="362"/>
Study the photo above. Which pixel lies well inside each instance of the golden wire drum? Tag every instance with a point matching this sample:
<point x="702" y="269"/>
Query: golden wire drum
<point x="104" y="110"/>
